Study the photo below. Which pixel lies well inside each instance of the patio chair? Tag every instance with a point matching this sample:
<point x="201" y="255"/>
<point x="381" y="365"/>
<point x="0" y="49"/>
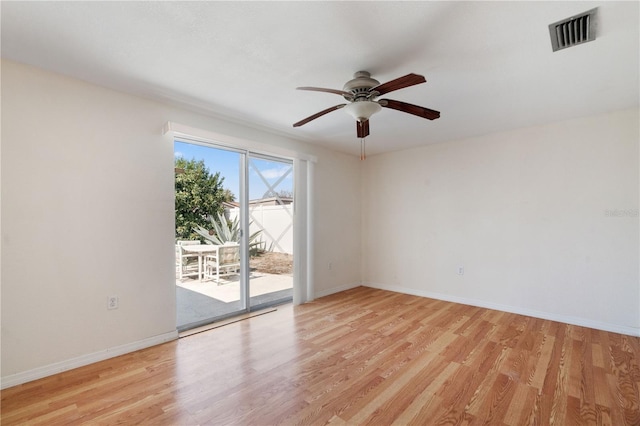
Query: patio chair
<point x="186" y="263"/>
<point x="224" y="261"/>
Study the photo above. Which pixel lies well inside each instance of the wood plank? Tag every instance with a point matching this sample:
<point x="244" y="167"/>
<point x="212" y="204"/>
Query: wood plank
<point x="363" y="356"/>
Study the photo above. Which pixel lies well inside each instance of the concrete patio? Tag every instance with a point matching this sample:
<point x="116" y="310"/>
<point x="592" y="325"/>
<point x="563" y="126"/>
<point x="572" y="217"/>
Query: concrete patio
<point x="200" y="301"/>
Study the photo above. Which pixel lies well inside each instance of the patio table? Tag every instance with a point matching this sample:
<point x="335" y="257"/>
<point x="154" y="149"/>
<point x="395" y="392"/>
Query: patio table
<point x="202" y="250"/>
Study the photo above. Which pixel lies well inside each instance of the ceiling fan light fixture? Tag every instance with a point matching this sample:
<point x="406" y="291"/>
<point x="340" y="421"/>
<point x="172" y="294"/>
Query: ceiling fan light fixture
<point x="362" y="110"/>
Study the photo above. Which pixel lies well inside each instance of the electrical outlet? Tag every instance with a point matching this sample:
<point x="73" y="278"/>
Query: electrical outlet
<point x="330" y="266"/>
<point x="112" y="302"/>
<point x="460" y="270"/>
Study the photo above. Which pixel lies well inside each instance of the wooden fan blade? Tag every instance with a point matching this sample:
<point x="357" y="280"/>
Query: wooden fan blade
<point x="318" y="114"/>
<point x="398" y="83"/>
<point x="410" y="109"/>
<point x="362" y="129"/>
<point x="320" y="89"/>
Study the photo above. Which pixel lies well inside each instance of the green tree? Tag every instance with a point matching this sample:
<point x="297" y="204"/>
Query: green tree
<point x="229" y="196"/>
<point x="199" y="194"/>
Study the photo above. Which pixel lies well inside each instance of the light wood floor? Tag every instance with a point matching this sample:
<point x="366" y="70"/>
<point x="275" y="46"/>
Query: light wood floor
<point x="363" y="356"/>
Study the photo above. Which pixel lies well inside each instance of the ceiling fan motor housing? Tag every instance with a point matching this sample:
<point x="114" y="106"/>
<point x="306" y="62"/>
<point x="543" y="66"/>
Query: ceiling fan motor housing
<point x="359" y="86"/>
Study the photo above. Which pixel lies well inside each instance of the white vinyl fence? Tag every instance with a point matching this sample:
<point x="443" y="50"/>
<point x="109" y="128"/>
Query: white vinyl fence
<point x="276" y="223"/>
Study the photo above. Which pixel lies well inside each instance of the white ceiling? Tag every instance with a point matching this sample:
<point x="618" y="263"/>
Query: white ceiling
<point x="489" y="65"/>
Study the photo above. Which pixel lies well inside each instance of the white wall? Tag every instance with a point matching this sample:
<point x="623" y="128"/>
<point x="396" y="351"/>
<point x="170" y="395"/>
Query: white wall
<point x="275" y="224"/>
<point x="337" y="214"/>
<point x="525" y="212"/>
<point x="87" y="212"/>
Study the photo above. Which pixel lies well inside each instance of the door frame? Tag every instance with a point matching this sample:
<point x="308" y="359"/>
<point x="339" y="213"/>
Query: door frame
<point x="300" y="266"/>
<point x="304" y="171"/>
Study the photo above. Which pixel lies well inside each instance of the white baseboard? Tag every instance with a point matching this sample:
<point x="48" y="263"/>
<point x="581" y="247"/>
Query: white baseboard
<point x="583" y="322"/>
<point x="70" y="364"/>
<point x="333" y="290"/>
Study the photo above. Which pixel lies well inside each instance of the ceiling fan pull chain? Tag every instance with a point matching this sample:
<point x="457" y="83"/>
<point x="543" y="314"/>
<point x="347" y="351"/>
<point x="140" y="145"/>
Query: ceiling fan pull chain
<point x="363" y="155"/>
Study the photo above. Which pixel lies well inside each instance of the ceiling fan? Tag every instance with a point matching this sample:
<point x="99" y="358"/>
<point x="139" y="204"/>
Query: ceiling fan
<point x="362" y="92"/>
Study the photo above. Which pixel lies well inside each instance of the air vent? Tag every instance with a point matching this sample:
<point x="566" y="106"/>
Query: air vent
<point x="572" y="31"/>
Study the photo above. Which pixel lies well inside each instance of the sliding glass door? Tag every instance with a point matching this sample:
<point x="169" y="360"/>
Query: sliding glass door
<point x="234" y="232"/>
<point x="270" y="209"/>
